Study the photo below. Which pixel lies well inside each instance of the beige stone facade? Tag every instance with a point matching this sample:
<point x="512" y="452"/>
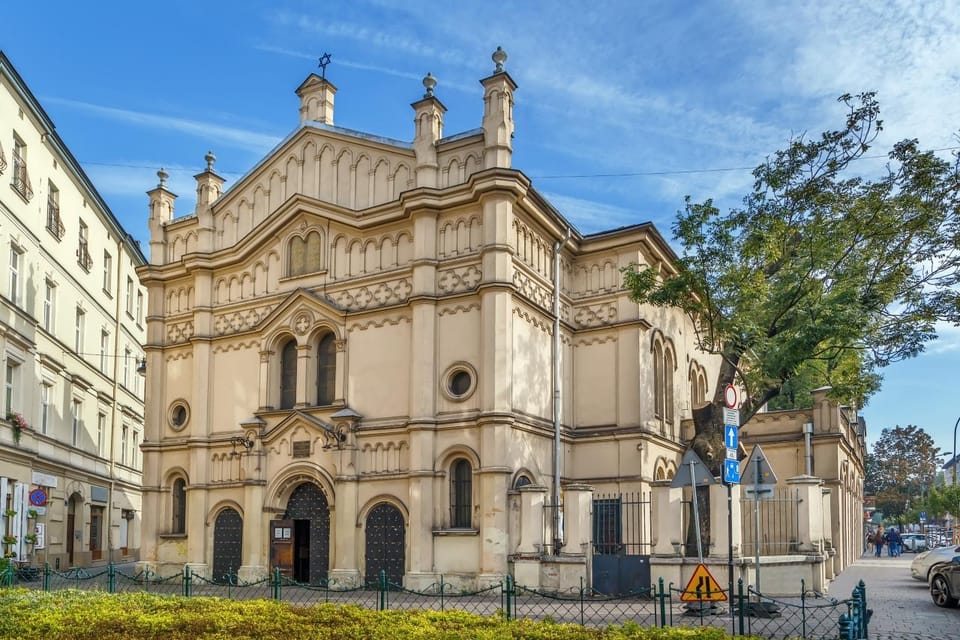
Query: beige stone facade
<point x="374" y="355"/>
<point x="358" y="338"/>
<point x="72" y="321"/>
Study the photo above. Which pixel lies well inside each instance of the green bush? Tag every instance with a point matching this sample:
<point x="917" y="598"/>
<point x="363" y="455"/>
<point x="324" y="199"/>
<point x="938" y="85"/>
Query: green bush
<point x="79" y="615"/>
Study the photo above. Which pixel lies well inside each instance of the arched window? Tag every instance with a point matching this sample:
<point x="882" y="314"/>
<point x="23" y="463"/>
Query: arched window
<point x="305" y="255"/>
<point x="522" y="481"/>
<point x="668" y="402"/>
<point x="178" y="520"/>
<point x="461" y="495"/>
<point x="658" y="380"/>
<point x="327" y="369"/>
<point x="288" y="375"/>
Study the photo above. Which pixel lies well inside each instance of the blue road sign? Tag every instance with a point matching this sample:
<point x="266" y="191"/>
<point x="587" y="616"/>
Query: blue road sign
<point x="731" y="471"/>
<point x="731" y="436"/>
<point x="923" y="516"/>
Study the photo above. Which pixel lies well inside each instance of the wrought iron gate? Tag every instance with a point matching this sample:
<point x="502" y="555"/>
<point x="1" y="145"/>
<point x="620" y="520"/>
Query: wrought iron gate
<point x="308" y="508"/>
<point x="621" y="542"/>
<point x="227" y="545"/>
<point x="385" y="544"/>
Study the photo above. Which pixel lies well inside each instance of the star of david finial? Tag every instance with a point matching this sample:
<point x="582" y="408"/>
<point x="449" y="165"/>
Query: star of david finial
<point x="324" y="60"/>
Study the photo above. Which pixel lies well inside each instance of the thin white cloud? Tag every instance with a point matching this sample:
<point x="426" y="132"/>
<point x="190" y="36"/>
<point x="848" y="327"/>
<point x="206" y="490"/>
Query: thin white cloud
<point x="230" y="136"/>
<point x="590" y="216"/>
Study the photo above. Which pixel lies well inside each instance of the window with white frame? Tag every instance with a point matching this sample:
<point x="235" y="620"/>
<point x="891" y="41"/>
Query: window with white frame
<point x="126" y="368"/>
<point x="107" y="273"/>
<point x="124" y="441"/>
<point x="49" y="305"/>
<point x="101" y="429"/>
<point x="129" y="296"/>
<point x="54" y="223"/>
<point x="139" y="307"/>
<point x="16" y="263"/>
<point x="79" y="330"/>
<point x="21" y="180"/>
<point x="10" y="380"/>
<point x="135" y="450"/>
<point x="104" y="343"/>
<point x="45" y="390"/>
<point x="83" y="248"/>
<point x="76" y="421"/>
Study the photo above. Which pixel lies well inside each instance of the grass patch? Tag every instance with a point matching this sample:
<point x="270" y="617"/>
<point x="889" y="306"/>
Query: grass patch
<point x="81" y="615"/>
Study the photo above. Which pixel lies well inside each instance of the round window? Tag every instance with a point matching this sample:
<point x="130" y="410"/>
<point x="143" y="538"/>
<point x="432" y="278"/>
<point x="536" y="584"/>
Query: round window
<point x="178" y="415"/>
<point x="459" y="382"/>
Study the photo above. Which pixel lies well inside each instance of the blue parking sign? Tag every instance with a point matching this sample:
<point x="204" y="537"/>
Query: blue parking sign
<point x="731" y="471"/>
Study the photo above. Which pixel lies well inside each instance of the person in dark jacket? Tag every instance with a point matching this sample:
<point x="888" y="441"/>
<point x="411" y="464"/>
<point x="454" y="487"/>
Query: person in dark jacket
<point x="878" y="541"/>
<point x="894" y="542"/>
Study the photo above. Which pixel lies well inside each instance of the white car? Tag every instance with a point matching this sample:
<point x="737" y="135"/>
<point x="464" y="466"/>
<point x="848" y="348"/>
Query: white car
<point x="924" y="563"/>
<point x="914" y="542"/>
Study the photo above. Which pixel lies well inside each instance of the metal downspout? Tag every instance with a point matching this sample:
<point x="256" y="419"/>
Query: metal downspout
<point x="557" y="515"/>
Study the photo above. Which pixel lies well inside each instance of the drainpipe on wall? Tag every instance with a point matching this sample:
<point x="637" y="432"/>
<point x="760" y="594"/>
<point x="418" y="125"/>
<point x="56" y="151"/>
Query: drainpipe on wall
<point x="807" y="434"/>
<point x="557" y="515"/>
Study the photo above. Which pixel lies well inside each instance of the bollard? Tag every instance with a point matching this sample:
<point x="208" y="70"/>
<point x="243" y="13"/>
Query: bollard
<point x="663" y="604"/>
<point x="845" y="627"/>
<point x="276" y="583"/>
<point x="509" y="594"/>
<point x="111" y="578"/>
<point x="187" y="581"/>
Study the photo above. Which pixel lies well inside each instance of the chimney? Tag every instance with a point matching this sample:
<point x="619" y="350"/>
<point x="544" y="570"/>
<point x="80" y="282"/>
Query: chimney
<point x="428" y="120"/>
<point x="161" y="212"/>
<point x="209" y="188"/>
<point x="316" y="99"/>
<point x="498" y="114"/>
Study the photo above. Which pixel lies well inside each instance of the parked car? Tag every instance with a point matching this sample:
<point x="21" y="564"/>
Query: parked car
<point x="923" y="565"/>
<point x="945" y="584"/>
<point x="914" y="542"/>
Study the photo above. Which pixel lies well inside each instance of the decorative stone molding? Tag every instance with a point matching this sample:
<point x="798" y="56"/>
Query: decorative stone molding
<point x="459" y="280"/>
<point x="532" y="290"/>
<point x="240" y="346"/>
<point x="459" y="308"/>
<point x="596" y="315"/>
<point x="237" y="321"/>
<point x="378" y="323"/>
<point x="373" y="296"/>
<point x="533" y="319"/>
<point x="179" y="332"/>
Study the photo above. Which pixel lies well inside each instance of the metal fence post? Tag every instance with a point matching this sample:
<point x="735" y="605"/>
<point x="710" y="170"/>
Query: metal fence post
<point x="383" y="589"/>
<point x="46" y="576"/>
<point x="509" y="594"/>
<point x="864" y="628"/>
<point x="740" y="603"/>
<point x="663" y="605"/>
<point x="845" y="627"/>
<point x="803" y="606"/>
<point x="581" y="601"/>
<point x="187" y="581"/>
<point x="441" y="592"/>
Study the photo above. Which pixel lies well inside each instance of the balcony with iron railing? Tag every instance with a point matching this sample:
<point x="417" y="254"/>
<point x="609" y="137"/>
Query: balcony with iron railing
<point x="3" y="160"/>
<point x="21" y="181"/>
<point x="54" y="223"/>
<point x="83" y="256"/>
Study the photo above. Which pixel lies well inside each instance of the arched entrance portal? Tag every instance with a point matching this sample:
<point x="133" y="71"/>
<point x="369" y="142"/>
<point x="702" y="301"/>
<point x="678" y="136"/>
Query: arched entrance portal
<point x="74" y="509"/>
<point x="300" y="542"/>
<point x="385" y="544"/>
<point x="227" y="545"/>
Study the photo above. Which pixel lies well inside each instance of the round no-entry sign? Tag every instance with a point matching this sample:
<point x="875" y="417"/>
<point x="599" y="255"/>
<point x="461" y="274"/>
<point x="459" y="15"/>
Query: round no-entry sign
<point x="730" y="396"/>
<point x="38" y="497"/>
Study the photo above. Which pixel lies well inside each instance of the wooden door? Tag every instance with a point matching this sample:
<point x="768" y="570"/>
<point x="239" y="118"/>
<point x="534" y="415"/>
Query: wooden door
<point x="96" y="533"/>
<point x="281" y="546"/>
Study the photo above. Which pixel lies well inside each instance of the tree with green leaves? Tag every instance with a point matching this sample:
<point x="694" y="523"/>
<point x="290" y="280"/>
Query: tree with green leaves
<point x="820" y="275"/>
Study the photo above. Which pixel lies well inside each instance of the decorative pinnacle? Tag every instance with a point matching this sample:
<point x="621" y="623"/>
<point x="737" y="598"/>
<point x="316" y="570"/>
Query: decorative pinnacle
<point x="210" y="158"/>
<point x="429" y="83"/>
<point x="499" y="57"/>
<point x="163" y="175"/>
<point x="323" y="61"/>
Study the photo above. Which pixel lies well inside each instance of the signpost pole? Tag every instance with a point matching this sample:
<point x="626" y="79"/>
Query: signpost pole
<point x="733" y="629"/>
<point x="756" y="523"/>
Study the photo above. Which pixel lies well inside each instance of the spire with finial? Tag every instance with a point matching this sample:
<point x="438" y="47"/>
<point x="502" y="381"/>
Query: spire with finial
<point x="163" y="175"/>
<point x="210" y="158"/>
<point x="499" y="57"/>
<point x="429" y="83"/>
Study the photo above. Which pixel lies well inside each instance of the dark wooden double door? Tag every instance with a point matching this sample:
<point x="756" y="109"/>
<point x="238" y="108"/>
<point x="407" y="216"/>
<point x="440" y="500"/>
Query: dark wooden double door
<point x="300" y="541"/>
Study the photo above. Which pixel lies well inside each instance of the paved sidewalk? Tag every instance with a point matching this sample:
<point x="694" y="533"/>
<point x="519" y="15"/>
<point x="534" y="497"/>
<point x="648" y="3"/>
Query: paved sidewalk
<point x="902" y="608"/>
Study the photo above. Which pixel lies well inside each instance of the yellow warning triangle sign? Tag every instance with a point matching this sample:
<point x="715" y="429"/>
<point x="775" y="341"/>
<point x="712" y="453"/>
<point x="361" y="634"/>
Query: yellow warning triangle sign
<point x="703" y="587"/>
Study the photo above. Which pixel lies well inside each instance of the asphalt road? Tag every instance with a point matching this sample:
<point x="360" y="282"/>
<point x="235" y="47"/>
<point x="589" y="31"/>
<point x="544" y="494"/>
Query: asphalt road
<point x="902" y="608"/>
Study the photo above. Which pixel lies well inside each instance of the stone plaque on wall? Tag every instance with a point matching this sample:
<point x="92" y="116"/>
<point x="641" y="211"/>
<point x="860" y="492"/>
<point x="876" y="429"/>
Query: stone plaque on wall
<point x="301" y="449"/>
<point x="98" y="494"/>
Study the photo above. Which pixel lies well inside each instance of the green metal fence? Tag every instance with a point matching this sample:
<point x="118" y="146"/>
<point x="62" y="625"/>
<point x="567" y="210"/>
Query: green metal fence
<point x="745" y="612"/>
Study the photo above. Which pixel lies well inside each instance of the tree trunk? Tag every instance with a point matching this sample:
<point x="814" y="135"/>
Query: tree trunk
<point x="709" y="446"/>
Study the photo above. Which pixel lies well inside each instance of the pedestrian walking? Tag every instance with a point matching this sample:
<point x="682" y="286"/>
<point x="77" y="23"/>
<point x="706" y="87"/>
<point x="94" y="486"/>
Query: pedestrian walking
<point x="878" y="541"/>
<point x="894" y="542"/>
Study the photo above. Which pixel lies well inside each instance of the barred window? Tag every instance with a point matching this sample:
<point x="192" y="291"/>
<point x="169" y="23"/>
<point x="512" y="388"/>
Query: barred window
<point x="178" y="522"/>
<point x="288" y="375"/>
<point x="327" y="369"/>
<point x="461" y="495"/>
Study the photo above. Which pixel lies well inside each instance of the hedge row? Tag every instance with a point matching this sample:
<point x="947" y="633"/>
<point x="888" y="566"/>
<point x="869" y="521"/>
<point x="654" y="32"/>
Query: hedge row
<point x="79" y="615"/>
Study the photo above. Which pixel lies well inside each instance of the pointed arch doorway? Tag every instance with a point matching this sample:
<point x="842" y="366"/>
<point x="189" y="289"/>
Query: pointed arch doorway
<point x="300" y="541"/>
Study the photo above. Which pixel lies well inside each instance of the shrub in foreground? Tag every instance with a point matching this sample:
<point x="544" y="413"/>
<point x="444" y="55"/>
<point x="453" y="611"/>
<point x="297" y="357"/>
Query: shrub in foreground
<point x="79" y="615"/>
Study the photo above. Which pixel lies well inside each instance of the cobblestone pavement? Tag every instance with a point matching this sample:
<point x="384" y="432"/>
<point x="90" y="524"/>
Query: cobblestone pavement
<point x="902" y="608"/>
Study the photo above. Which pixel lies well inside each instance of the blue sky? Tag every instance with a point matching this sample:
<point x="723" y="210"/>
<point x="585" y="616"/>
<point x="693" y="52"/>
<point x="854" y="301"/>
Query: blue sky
<point x="685" y="94"/>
